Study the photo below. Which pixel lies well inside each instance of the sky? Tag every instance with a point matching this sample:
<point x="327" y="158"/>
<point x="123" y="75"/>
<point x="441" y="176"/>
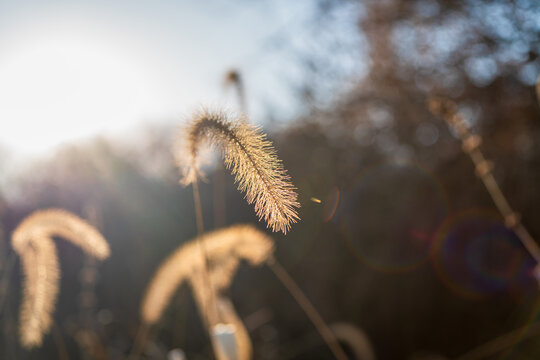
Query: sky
<point x="70" y="70"/>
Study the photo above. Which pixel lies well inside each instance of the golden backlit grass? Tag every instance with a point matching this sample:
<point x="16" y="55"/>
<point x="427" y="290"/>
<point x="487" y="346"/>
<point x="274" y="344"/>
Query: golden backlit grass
<point x="225" y="249"/>
<point x="33" y="242"/>
<point x="252" y="160"/>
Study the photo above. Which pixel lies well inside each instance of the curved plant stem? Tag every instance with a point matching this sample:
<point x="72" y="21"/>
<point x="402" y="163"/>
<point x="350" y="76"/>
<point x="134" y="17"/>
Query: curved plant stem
<point x="471" y="145"/>
<point x="511" y="218"/>
<point x="60" y="345"/>
<point x="211" y="312"/>
<point x="198" y="208"/>
<point x="220" y="201"/>
<point x="306" y="305"/>
<point x="140" y="341"/>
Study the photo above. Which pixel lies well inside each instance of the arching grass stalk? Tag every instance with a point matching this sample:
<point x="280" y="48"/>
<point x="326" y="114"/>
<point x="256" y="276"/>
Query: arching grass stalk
<point x="310" y="310"/>
<point x="471" y="145"/>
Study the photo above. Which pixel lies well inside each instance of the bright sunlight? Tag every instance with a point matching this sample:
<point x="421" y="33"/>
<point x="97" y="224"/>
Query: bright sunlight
<point x="60" y="89"/>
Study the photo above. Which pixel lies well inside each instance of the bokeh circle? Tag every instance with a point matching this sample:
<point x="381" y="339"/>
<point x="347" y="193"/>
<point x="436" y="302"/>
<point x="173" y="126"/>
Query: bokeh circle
<point x="390" y="213"/>
<point x="475" y="255"/>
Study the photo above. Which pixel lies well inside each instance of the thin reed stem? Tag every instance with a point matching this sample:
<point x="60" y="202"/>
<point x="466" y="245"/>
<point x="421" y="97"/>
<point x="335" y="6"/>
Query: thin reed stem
<point x="471" y="145"/>
<point x="511" y="218"/>
<point x="198" y="208"/>
<point x="140" y="341"/>
<point x="306" y="305"/>
<point x="97" y="351"/>
<point x="220" y="201"/>
<point x="89" y="271"/>
<point x="212" y="313"/>
<point x="60" y="345"/>
<point x="528" y="241"/>
<point x="234" y="78"/>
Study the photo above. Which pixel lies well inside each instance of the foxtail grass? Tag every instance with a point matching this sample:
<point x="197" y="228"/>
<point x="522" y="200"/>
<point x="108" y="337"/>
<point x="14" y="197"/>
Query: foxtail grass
<point x="252" y="160"/>
<point x="33" y="242"/>
<point x="57" y="222"/>
<point x="41" y="278"/>
<point x="225" y="249"/>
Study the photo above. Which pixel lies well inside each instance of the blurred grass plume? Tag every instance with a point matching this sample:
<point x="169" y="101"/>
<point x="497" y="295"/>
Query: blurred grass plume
<point x="33" y="242"/>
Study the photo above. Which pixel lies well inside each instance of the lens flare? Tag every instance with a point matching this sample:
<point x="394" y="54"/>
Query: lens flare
<point x="306" y="237"/>
<point x="476" y="255"/>
<point x="331" y="204"/>
<point x="412" y="202"/>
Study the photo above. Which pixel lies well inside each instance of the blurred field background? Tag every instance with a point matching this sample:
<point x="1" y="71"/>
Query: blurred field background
<point x="405" y="242"/>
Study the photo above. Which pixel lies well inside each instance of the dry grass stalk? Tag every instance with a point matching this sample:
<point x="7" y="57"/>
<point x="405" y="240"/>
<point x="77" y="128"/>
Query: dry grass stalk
<point x="234" y="79"/>
<point x="32" y="240"/>
<point x="225" y="249"/>
<point x="483" y="168"/>
<point x="252" y="160"/>
<point x="301" y="299"/>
